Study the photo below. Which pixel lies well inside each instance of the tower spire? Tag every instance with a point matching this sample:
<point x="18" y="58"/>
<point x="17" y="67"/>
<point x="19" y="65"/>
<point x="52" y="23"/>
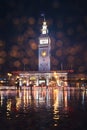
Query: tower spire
<point x="43" y="15"/>
<point x="44" y="29"/>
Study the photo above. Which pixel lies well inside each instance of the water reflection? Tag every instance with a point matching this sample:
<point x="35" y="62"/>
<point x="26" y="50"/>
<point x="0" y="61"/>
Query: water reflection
<point x="46" y="107"/>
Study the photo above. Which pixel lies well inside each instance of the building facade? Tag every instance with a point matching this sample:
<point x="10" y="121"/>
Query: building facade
<point x="44" y="75"/>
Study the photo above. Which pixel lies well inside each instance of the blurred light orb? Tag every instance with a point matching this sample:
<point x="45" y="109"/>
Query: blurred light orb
<point x="31" y="21"/>
<point x="3" y="54"/>
<point x="59" y="43"/>
<point x="70" y="59"/>
<point x="30" y="32"/>
<point x="17" y="63"/>
<point x="59" y="53"/>
<point x="15" y="47"/>
<point x="2" y="43"/>
<point x="20" y="39"/>
<point x="60" y="35"/>
<point x="30" y="53"/>
<point x="33" y="45"/>
<point x="2" y="60"/>
<point x="25" y="60"/>
<point x="13" y="53"/>
<point x="72" y="50"/>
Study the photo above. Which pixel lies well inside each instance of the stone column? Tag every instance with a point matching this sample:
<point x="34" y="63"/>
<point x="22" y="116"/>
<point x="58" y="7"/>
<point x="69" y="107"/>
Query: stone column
<point x="20" y="82"/>
<point x="47" y="80"/>
<point x="37" y="81"/>
<point x="27" y="81"/>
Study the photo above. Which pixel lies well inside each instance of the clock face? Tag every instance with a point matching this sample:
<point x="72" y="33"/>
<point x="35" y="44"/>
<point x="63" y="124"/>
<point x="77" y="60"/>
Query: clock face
<point x="44" y="41"/>
<point x="43" y="53"/>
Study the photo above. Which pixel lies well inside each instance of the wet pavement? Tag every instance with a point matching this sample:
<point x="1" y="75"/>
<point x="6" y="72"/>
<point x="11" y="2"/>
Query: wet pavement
<point x="43" y="109"/>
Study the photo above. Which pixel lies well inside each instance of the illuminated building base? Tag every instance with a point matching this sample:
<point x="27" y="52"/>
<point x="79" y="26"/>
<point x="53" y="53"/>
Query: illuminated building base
<point x="36" y="78"/>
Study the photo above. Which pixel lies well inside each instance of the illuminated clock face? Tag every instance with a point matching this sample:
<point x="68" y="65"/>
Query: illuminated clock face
<point x="44" y="41"/>
<point x="43" y="53"/>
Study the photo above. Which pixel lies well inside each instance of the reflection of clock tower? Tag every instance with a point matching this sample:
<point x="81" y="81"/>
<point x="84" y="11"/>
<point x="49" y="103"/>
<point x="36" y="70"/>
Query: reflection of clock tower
<point x="44" y="49"/>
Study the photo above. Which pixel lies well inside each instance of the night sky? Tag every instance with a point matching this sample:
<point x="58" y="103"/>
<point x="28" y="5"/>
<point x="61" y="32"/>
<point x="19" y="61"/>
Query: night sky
<point x="20" y="25"/>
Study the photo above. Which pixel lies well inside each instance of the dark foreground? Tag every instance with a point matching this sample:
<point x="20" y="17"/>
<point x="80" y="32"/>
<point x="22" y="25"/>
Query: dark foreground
<point x="43" y="109"/>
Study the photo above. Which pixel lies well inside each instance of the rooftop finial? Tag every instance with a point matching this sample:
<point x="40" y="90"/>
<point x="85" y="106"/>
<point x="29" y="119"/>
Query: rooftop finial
<point x="44" y="26"/>
<point x="43" y="15"/>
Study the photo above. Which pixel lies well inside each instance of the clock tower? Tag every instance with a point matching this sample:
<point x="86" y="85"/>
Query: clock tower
<point x="44" y="49"/>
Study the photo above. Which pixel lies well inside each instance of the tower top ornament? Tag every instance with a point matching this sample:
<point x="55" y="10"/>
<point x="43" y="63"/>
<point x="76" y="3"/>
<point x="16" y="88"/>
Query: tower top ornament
<point x="44" y="29"/>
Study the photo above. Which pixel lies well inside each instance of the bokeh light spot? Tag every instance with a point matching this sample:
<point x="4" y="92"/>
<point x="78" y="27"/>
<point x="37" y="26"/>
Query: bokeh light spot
<point x="17" y="63"/>
<point x="2" y="60"/>
<point x="33" y="45"/>
<point x="31" y="21"/>
<point x="59" y="53"/>
<point x="25" y="60"/>
<point x="70" y="59"/>
<point x="59" y="43"/>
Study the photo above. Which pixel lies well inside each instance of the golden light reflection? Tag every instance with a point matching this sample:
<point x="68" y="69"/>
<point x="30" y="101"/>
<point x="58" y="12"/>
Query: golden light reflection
<point x="25" y="98"/>
<point x="83" y="96"/>
<point x="56" y="105"/>
<point x="8" y="108"/>
<point x="8" y="105"/>
<point x="56" y="98"/>
<point x="1" y="98"/>
<point x="18" y="100"/>
<point x="65" y="99"/>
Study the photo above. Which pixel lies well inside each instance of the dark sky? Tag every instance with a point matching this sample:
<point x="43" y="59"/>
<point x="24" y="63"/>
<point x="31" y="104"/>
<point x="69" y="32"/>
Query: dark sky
<point x="20" y="24"/>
